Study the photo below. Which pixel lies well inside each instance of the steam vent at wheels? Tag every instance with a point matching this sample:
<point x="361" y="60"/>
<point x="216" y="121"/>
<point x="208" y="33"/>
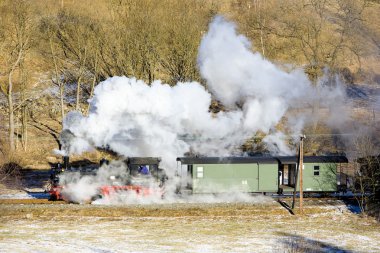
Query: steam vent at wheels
<point x="263" y="174"/>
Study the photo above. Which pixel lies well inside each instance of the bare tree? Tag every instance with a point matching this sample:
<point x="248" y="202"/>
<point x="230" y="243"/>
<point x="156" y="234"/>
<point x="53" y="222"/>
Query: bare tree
<point x="23" y="104"/>
<point x="54" y="53"/>
<point x="58" y="79"/>
<point x="16" y="25"/>
<point x="182" y="34"/>
<point x="367" y="172"/>
<point x="74" y="36"/>
<point x="95" y="77"/>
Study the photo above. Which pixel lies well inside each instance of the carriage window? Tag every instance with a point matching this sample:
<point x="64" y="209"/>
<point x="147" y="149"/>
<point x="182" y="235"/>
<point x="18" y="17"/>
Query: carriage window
<point x="199" y="172"/>
<point x="316" y="170"/>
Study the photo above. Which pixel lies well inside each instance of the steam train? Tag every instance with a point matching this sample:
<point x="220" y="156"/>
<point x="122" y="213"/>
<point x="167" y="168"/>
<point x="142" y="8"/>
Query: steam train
<point x="140" y="175"/>
<point x="214" y="175"/>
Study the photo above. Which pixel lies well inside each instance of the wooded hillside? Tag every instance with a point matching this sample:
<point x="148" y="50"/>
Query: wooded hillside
<point x="53" y="53"/>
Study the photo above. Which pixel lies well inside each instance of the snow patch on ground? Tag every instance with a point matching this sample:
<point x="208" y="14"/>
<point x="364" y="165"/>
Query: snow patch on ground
<point x="25" y="195"/>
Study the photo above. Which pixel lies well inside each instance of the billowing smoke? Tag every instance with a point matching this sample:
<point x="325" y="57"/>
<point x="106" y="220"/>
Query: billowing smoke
<point x="236" y="75"/>
<point x="134" y="118"/>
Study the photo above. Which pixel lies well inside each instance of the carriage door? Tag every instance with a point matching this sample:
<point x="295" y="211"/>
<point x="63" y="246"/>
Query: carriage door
<point x="268" y="177"/>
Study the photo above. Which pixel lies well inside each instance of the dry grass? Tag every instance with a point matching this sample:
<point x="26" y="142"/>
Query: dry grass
<point x="185" y="228"/>
<point x="165" y="210"/>
<point x="42" y="208"/>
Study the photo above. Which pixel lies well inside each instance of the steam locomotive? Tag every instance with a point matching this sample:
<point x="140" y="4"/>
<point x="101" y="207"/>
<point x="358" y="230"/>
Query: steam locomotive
<point x="140" y="175"/>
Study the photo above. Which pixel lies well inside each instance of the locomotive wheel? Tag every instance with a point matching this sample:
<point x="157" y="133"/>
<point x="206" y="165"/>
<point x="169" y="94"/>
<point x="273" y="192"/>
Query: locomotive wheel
<point x="53" y="197"/>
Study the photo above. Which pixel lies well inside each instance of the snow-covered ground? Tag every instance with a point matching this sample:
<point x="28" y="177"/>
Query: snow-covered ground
<point x="184" y="228"/>
<point x="25" y="195"/>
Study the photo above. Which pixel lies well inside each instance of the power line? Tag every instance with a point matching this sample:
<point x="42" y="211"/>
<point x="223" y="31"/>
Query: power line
<point x="286" y="137"/>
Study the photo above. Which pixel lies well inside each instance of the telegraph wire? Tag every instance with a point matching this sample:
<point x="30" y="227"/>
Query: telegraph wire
<point x="286" y="137"/>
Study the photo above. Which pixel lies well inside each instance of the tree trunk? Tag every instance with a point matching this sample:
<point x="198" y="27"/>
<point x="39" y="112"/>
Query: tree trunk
<point x="10" y="101"/>
<point x="315" y="109"/>
<point x="261" y="22"/>
<point x="11" y="113"/>
<point x="23" y="109"/>
<point x="262" y="39"/>
<point x="60" y="84"/>
<point x="17" y="129"/>
<point x="61" y="94"/>
<point x="11" y="122"/>
<point x="81" y="72"/>
<point x="24" y="124"/>
<point x="92" y="91"/>
<point x="77" y="106"/>
<point x="94" y="79"/>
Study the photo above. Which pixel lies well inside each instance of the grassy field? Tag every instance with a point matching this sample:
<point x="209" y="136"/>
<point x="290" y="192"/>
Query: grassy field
<point x="327" y="226"/>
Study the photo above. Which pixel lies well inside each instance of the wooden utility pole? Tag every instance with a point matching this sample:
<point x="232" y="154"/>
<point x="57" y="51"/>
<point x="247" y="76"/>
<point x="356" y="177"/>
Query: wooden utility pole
<point x="296" y="176"/>
<point x="301" y="173"/>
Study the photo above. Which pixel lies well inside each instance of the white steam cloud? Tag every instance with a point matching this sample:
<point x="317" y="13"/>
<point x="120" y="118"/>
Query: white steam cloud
<point x="235" y="74"/>
<point x="134" y="118"/>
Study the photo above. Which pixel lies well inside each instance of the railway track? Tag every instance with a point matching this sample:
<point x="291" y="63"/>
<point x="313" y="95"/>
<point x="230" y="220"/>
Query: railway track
<point x="30" y="201"/>
<point x="9" y="201"/>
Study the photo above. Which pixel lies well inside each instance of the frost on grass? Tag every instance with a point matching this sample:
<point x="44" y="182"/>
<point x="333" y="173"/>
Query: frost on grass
<point x="222" y="231"/>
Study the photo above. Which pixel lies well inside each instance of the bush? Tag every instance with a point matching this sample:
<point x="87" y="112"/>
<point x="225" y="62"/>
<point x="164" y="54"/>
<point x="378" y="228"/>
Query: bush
<point x="10" y="173"/>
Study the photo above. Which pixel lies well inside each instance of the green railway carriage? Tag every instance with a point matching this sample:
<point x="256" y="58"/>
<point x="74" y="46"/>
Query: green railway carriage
<point x="259" y="174"/>
<point x="226" y="174"/>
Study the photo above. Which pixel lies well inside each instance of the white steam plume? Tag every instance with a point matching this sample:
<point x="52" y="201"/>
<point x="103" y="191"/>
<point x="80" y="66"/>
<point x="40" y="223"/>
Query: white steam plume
<point x="134" y="118"/>
<point x="137" y="119"/>
<point x="235" y="74"/>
